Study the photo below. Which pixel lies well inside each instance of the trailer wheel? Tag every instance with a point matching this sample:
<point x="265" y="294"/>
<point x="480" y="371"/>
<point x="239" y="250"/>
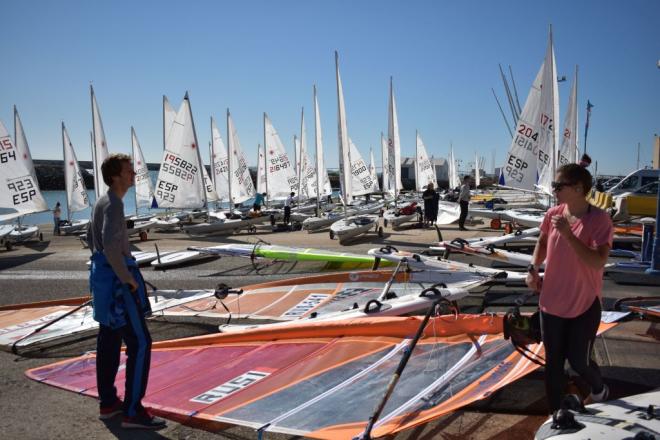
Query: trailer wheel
<point x="332" y="234"/>
<point x="41" y="236"/>
<point x="143" y="236"/>
<point x="495" y="223"/>
<point x="385" y="222"/>
<point x="380" y="231"/>
<point x="8" y="245"/>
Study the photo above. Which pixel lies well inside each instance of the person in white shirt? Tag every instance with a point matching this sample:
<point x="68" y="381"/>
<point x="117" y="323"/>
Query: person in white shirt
<point x="464" y="200"/>
<point x="287" y="208"/>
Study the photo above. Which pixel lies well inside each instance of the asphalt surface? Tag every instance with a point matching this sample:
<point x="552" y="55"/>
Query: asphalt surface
<point x="55" y="268"/>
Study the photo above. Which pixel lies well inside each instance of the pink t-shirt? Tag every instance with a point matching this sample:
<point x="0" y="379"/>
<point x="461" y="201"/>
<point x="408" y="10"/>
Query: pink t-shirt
<point x="569" y="284"/>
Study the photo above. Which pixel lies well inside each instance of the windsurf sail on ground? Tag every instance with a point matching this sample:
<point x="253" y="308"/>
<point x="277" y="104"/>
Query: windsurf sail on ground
<point x="341" y="295"/>
<point x="319" y="380"/>
<point x="71" y="319"/>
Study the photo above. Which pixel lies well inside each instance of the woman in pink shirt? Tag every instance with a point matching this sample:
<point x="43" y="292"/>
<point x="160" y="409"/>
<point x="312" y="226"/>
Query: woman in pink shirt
<point x="575" y="242"/>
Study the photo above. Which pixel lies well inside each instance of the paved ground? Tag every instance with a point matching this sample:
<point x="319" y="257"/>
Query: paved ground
<point x="55" y="269"/>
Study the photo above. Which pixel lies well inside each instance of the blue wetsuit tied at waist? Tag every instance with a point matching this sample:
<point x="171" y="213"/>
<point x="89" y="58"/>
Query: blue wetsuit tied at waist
<point x="112" y="299"/>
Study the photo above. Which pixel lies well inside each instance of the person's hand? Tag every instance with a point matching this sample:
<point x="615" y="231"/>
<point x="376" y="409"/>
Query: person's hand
<point x="534" y="281"/>
<point x="561" y="224"/>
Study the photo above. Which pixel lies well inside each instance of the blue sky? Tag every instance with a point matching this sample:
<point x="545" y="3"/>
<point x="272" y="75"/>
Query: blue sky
<point x="256" y="56"/>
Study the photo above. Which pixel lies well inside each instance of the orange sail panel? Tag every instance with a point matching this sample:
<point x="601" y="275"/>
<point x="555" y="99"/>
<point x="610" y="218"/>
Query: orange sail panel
<point x="318" y="380"/>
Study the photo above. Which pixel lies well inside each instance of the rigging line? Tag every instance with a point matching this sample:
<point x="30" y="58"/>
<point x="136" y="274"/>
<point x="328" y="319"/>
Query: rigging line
<point x="515" y="90"/>
<point x="502" y="112"/>
<point x="340" y="385"/>
<point x="512" y="106"/>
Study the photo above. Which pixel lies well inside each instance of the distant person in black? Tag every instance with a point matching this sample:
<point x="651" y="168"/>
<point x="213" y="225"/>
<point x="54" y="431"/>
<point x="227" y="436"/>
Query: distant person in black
<point x="464" y="201"/>
<point x="431" y="200"/>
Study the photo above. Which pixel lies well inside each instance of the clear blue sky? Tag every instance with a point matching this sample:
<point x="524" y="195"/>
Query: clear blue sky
<point x="256" y="56"/>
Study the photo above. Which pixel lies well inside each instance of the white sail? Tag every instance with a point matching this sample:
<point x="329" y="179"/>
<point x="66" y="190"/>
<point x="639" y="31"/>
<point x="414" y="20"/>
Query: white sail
<point x="303" y="161"/>
<point x="385" y="162"/>
<point x="211" y="195"/>
<point x="454" y="180"/>
<point x="240" y="182"/>
<point x="169" y="114"/>
<point x="424" y="169"/>
<point x="20" y="189"/>
<point x="261" y="170"/>
<point x="144" y="190"/>
<point x="322" y="178"/>
<point x="220" y="163"/>
<point x="281" y="177"/>
<point x="362" y="181"/>
<point x="372" y="170"/>
<point x="533" y="140"/>
<point x="393" y="146"/>
<point x="344" y="146"/>
<point x="22" y="144"/>
<point x="548" y="121"/>
<point x="180" y="182"/>
<point x="100" y="148"/>
<point x="477" y="176"/>
<point x="569" y="151"/>
<point x="76" y="193"/>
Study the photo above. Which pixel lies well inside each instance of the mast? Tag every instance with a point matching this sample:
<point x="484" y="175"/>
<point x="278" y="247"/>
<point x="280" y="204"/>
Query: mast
<point x="317" y="141"/>
<point x="68" y="208"/>
<point x="94" y="158"/>
<point x="230" y="171"/>
<point x="134" y="186"/>
<point x="199" y="156"/>
<point x="266" y="162"/>
<point x="344" y="146"/>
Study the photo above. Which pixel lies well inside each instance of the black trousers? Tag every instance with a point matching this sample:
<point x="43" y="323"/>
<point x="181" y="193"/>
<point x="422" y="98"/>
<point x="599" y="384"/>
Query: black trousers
<point x="572" y="339"/>
<point x="464" y="213"/>
<point x="287" y="214"/>
<point x="135" y="335"/>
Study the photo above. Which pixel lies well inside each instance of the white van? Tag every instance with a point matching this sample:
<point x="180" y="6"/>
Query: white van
<point x="635" y="180"/>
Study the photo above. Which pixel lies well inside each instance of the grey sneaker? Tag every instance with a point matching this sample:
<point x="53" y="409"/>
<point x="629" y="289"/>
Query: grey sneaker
<point x="143" y="420"/>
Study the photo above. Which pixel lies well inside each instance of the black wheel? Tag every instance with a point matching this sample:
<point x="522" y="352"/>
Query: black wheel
<point x="385" y="222"/>
<point x="252" y="229"/>
<point x="332" y="234"/>
<point x="8" y="245"/>
<point x="143" y="236"/>
<point x="41" y="236"/>
<point x="380" y="231"/>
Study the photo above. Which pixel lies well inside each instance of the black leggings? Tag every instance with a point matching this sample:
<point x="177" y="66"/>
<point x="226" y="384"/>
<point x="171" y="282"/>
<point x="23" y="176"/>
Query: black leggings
<point x="572" y="339"/>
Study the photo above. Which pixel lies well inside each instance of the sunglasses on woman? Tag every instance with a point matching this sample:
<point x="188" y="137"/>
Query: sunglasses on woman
<point x="558" y="186"/>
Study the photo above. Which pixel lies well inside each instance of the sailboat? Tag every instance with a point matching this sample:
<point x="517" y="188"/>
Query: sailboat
<point x="349" y="227"/>
<point x="99" y="146"/>
<point x="240" y="188"/>
<point x="22" y="195"/>
<point x="76" y="192"/>
<point x="393" y="147"/>
<point x="372" y="170"/>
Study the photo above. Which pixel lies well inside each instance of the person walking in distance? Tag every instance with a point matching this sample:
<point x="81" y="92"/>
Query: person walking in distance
<point x="57" y="215"/>
<point x="464" y="201"/>
<point x="575" y="242"/>
<point x="119" y="302"/>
